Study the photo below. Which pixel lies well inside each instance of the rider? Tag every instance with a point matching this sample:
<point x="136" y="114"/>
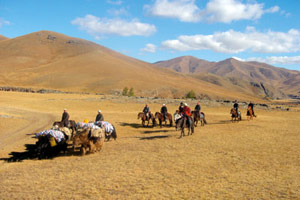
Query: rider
<point x="99" y="117"/>
<point x="187" y="113"/>
<point x="236" y="106"/>
<point x="146" y="111"/>
<point x="164" y="111"/>
<point x="252" y="105"/>
<point x="65" y="118"/>
<point x="198" y="108"/>
<point x="180" y="109"/>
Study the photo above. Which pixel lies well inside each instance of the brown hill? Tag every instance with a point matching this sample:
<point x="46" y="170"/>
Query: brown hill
<point x="55" y="61"/>
<point x="254" y="77"/>
<point x="3" y="38"/>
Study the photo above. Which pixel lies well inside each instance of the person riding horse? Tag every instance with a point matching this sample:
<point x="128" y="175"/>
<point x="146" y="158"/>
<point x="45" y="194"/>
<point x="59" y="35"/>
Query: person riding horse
<point x="198" y="109"/>
<point x="236" y="106"/>
<point x="164" y="111"/>
<point x="99" y="116"/>
<point x="186" y="111"/>
<point x="146" y="111"/>
<point x="251" y="105"/>
<point x="181" y="107"/>
<point x="65" y="118"/>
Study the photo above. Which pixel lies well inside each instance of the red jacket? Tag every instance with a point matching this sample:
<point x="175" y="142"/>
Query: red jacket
<point x="187" y="111"/>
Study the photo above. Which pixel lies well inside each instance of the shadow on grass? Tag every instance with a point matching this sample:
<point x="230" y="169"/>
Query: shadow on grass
<point x="224" y="122"/>
<point x="135" y="125"/>
<point x="155" y="137"/>
<point x="157" y="131"/>
<point x="31" y="154"/>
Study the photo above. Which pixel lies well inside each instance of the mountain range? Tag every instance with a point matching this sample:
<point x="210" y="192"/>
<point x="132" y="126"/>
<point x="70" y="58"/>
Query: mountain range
<point x="51" y="60"/>
<point x="260" y="78"/>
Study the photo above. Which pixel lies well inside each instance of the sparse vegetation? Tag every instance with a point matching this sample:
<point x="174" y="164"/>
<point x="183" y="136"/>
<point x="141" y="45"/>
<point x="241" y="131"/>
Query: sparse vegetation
<point x="191" y="94"/>
<point x="125" y="91"/>
<point x="131" y="92"/>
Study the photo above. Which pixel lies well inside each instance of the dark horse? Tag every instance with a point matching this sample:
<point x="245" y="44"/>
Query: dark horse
<point x="145" y="118"/>
<point x="72" y="125"/>
<point x="160" y="118"/>
<point x="198" y="117"/>
<point x="234" y="115"/>
<point x="183" y="123"/>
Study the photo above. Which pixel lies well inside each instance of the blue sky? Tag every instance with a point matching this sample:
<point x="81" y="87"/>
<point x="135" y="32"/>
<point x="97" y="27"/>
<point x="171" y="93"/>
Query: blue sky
<point x="154" y="30"/>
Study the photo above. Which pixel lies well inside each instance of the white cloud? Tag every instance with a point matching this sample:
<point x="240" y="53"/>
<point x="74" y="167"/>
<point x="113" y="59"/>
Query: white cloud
<point x="99" y="27"/>
<point x="235" y="42"/>
<point x="119" y="2"/>
<point x="184" y="10"/>
<point x="151" y="48"/>
<point x="273" y="9"/>
<point x="118" y="12"/>
<point x="277" y="60"/>
<point x="3" y="22"/>
<point x="224" y="11"/>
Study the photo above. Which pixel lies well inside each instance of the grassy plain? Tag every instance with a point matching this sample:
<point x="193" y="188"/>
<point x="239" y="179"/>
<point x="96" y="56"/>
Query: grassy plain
<point x="256" y="159"/>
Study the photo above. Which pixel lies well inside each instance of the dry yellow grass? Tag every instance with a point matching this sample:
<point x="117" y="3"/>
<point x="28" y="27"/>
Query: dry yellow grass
<point x="256" y="159"/>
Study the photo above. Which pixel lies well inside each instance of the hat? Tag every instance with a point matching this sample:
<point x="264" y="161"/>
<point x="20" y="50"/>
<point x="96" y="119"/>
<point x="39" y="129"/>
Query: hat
<point x="65" y="109"/>
<point x="185" y="104"/>
<point x="164" y="104"/>
<point x="99" y="111"/>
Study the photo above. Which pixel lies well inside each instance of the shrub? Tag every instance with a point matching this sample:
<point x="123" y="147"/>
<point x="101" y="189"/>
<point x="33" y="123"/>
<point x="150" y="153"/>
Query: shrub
<point x="191" y="95"/>
<point x="125" y="91"/>
<point x="131" y="92"/>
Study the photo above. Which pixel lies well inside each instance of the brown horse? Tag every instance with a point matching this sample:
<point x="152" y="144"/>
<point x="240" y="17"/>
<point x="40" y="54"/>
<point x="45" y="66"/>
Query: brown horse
<point x="145" y="118"/>
<point x="249" y="113"/>
<point x="160" y="118"/>
<point x="198" y="117"/>
<point x="234" y="115"/>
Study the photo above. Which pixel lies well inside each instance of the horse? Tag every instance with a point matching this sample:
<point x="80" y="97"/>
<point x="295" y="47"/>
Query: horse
<point x="249" y="113"/>
<point x="90" y="140"/>
<point x="160" y="118"/>
<point x="72" y="125"/>
<point x="145" y="118"/>
<point x="234" y="115"/>
<point x="182" y="123"/>
<point x="200" y="118"/>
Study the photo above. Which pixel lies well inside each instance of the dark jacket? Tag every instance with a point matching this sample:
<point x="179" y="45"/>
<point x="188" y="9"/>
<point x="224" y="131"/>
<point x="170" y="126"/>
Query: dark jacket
<point x="146" y="109"/>
<point x="99" y="117"/>
<point x="198" y="108"/>
<point x="65" y="119"/>
<point x="180" y="109"/>
<point x="164" y="109"/>
<point x="236" y="105"/>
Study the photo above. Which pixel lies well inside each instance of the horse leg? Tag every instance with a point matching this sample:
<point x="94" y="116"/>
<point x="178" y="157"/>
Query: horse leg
<point x="160" y="123"/>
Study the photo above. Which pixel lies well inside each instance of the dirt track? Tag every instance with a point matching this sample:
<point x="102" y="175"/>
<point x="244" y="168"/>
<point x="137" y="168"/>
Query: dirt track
<point x="256" y="159"/>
